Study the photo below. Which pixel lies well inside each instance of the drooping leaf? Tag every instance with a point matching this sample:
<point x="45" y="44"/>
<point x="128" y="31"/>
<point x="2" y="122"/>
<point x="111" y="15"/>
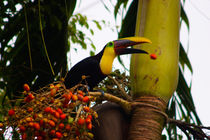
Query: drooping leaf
<point x="183" y="58"/>
<point x="117" y="6"/>
<point x="185" y="18"/>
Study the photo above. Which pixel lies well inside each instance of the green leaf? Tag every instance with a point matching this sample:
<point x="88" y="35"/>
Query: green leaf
<point x="127" y="28"/>
<point x="184" y="17"/>
<point x="97" y="24"/>
<point x="92" y="53"/>
<point x="117" y="6"/>
<point x="183" y="58"/>
<point x="185" y="96"/>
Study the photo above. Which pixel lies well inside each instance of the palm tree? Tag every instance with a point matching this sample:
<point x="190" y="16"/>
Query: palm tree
<point x="37" y="60"/>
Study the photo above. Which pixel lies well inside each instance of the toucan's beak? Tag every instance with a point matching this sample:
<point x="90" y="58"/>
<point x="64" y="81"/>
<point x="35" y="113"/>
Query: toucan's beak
<point x="120" y="46"/>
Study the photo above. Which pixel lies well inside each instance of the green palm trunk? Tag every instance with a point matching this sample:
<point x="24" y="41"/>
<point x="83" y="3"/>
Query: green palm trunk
<point x="154" y="81"/>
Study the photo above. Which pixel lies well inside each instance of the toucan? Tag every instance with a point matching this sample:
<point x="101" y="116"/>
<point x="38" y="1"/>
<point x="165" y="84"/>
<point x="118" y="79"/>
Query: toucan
<point x="96" y="68"/>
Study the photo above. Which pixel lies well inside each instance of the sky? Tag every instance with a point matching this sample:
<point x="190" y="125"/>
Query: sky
<point x="197" y="40"/>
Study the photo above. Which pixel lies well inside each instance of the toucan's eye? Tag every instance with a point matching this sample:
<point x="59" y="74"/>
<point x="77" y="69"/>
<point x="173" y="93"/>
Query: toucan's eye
<point x="110" y="44"/>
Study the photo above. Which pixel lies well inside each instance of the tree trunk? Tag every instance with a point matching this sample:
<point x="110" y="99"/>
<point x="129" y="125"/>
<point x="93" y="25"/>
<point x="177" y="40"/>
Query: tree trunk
<point x="147" y="122"/>
<point x="154" y="81"/>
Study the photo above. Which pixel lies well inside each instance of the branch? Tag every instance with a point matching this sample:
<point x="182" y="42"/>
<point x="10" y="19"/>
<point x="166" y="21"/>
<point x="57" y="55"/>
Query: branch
<point x="123" y="93"/>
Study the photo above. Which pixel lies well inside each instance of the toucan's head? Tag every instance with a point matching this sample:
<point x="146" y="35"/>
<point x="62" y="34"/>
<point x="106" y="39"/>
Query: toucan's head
<point x="119" y="47"/>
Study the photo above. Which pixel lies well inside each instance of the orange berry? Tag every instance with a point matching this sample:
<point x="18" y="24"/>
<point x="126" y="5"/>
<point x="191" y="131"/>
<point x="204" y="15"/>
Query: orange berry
<point x="47" y="109"/>
<point x="80" y="92"/>
<point x="56" y="114"/>
<point x="1" y="125"/>
<point x="26" y="87"/>
<point x="31" y="124"/>
<point x="68" y="127"/>
<point x="86" y="99"/>
<point x="153" y="56"/>
<point x="74" y="98"/>
<point x="88" y="120"/>
<point x="30" y="109"/>
<point x="86" y="109"/>
<point x="61" y="126"/>
<point x="81" y="121"/>
<point x="22" y="128"/>
<point x="36" y="126"/>
<point x="58" y="86"/>
<point x="29" y="119"/>
<point x="58" y="134"/>
<point x="62" y="116"/>
<point x="67" y="97"/>
<point x="51" y="123"/>
<point x="11" y="112"/>
<point x="89" y="126"/>
<point x="53" y="92"/>
<point x="70" y="93"/>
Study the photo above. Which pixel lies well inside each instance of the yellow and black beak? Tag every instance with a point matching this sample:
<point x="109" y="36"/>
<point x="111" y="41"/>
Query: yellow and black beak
<point x="121" y="45"/>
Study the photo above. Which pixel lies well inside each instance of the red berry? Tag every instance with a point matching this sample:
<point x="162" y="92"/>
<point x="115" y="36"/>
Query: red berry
<point x="59" y="111"/>
<point x="52" y="111"/>
<point x="24" y="136"/>
<point x="86" y="109"/>
<point x="88" y="120"/>
<point x="30" y="96"/>
<point x="47" y="109"/>
<point x="26" y="87"/>
<point x="52" y="132"/>
<point x="68" y="127"/>
<point x="80" y="97"/>
<point x="61" y="126"/>
<point x="81" y="121"/>
<point x="62" y="116"/>
<point x="86" y="99"/>
<point x="58" y="134"/>
<point x="39" y="138"/>
<point x="41" y="122"/>
<point x="11" y="112"/>
<point x="22" y="128"/>
<point x="153" y="56"/>
<point x="90" y="116"/>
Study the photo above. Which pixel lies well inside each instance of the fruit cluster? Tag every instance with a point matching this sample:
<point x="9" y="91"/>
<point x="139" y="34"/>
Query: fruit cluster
<point x="53" y="112"/>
